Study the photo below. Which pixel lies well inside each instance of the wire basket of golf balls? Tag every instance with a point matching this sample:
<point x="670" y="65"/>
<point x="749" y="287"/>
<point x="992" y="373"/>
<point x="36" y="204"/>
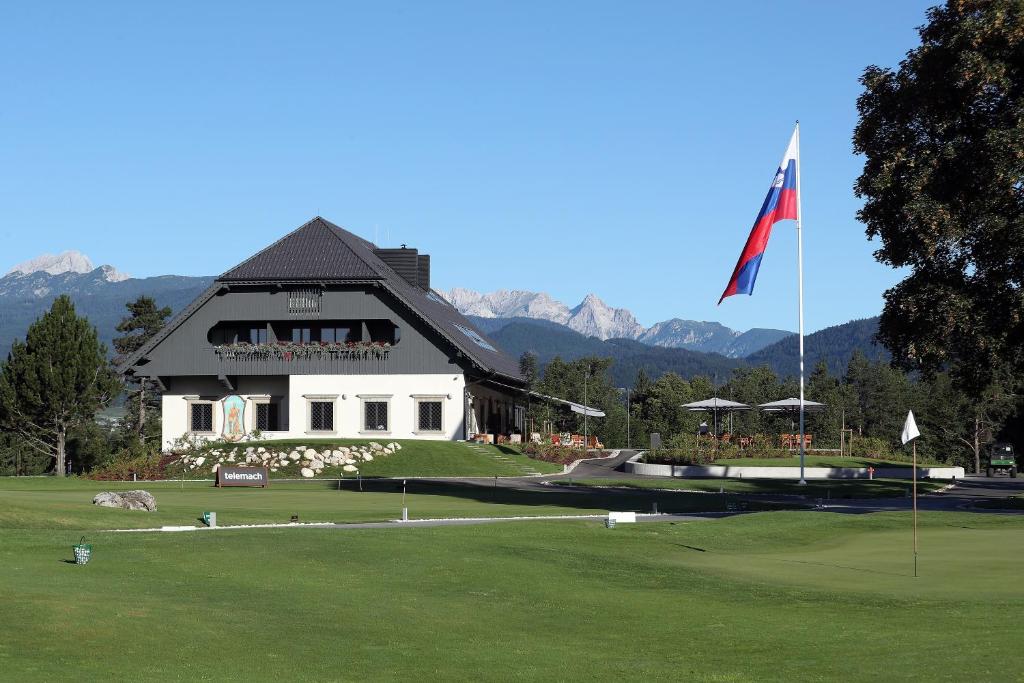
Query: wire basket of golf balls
<point x="83" y="552"/>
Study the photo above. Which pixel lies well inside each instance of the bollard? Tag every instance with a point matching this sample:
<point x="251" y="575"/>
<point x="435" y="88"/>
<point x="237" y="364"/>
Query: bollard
<point x="405" y="514"/>
<point x="213" y="520"/>
<point x="654" y="508"/>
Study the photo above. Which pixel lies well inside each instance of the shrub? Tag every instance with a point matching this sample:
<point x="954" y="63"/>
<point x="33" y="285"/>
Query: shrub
<point x="145" y="462"/>
<point x="874" y="447"/>
<point x="560" y="455"/>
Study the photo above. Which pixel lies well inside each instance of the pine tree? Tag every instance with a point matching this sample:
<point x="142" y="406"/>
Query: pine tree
<point x="54" y="381"/>
<point x="142" y="323"/>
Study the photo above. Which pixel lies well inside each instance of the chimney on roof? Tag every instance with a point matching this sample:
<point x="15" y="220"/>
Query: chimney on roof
<point x="408" y="263"/>
<point x="424" y="264"/>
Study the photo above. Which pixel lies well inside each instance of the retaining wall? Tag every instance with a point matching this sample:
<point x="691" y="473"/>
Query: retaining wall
<point x="750" y="472"/>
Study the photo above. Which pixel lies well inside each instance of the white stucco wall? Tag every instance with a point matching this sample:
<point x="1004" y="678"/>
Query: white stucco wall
<point x="400" y="392"/>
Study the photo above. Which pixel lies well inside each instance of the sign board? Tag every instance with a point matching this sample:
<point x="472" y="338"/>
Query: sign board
<point x="622" y="517"/>
<point x="655" y="440"/>
<point x="243" y="476"/>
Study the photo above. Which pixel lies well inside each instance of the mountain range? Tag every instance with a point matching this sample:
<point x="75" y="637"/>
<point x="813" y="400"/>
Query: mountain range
<point x="594" y="318"/>
<point x="517" y="321"/>
<point x="100" y="293"/>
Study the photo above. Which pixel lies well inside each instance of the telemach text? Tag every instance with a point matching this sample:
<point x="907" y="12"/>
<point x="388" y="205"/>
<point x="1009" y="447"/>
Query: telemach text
<point x="243" y="476"/>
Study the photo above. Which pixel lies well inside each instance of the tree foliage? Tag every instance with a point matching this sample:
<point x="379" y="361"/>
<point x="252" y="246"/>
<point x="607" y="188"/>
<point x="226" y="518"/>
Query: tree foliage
<point x="143" y="321"/>
<point x="55" y="381"/>
<point x="943" y="184"/>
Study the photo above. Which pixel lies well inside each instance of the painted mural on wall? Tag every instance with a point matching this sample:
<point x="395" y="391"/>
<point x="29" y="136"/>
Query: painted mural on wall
<point x="234" y="418"/>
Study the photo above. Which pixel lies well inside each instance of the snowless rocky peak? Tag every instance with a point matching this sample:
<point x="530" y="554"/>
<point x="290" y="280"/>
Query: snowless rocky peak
<point x="592" y="317"/>
<point x="65" y="262"/>
<point x="595" y="318"/>
<point x="508" y="304"/>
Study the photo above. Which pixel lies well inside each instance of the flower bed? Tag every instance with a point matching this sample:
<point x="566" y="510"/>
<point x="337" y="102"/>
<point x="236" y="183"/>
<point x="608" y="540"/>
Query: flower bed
<point x="287" y="351"/>
<point x="560" y="455"/>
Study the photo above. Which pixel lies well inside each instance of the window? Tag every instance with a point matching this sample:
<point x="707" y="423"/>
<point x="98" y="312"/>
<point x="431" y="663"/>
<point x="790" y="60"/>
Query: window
<point x="321" y="416"/>
<point x="334" y="334"/>
<point x="300" y="335"/>
<point x="201" y="418"/>
<point x="266" y="417"/>
<point x="429" y="415"/>
<point x="304" y="302"/>
<point x="258" y="335"/>
<point x="375" y="416"/>
<point x="476" y="338"/>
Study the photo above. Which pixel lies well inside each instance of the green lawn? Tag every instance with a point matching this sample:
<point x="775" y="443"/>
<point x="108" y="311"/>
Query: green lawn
<point x="417" y="458"/>
<point x="47" y="503"/>
<point x="836" y="488"/>
<point x="772" y="596"/>
<point x="820" y="461"/>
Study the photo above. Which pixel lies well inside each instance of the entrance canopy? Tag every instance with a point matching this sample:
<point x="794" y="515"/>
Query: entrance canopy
<point x="573" y="406"/>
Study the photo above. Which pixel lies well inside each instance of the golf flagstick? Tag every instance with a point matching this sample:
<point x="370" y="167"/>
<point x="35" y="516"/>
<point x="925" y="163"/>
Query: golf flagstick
<point x="910" y="433"/>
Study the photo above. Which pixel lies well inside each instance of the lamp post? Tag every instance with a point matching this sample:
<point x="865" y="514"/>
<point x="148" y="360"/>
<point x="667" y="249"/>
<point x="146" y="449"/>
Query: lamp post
<point x="628" y="411"/>
<point x="585" y="378"/>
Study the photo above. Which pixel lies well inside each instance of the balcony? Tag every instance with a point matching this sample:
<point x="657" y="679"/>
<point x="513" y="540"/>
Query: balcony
<point x="285" y="358"/>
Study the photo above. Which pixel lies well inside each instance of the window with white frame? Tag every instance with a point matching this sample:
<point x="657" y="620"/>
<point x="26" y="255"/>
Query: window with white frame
<point x="321" y="416"/>
<point x="265" y="413"/>
<point x="200" y="417"/>
<point x="376" y="413"/>
<point x="430" y="414"/>
<point x="320" y="413"/>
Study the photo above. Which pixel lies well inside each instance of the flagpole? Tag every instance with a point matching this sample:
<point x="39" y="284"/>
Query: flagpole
<point x="915" y="508"/>
<point x="800" y="294"/>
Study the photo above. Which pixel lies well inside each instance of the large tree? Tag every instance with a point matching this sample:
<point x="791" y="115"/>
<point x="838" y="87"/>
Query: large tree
<point x="143" y="321"/>
<point x="943" y="184"/>
<point x="54" y="381"/>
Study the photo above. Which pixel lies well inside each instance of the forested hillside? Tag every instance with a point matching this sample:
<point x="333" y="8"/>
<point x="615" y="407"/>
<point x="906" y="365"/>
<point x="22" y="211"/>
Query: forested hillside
<point x="549" y="340"/>
<point x="834" y="345"/>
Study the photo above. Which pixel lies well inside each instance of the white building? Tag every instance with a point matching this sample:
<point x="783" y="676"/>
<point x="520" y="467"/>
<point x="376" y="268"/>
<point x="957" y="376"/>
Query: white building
<point x="323" y="334"/>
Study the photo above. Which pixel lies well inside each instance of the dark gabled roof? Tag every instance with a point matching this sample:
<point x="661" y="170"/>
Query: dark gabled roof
<point x="314" y="251"/>
<point x="320" y="251"/>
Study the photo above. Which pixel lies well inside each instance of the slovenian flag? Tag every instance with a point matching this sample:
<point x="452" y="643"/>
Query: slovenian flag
<point x="779" y="205"/>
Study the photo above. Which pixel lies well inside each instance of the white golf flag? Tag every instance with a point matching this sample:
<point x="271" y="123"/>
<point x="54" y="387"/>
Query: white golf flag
<point x="909" y="429"/>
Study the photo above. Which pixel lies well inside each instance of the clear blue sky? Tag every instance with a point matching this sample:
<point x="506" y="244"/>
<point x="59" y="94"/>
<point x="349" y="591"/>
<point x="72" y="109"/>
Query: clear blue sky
<point x="611" y="147"/>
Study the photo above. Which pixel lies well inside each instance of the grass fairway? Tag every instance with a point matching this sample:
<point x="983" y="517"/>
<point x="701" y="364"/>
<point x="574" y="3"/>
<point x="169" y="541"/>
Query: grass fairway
<point x="769" y="596"/>
<point x="47" y="503"/>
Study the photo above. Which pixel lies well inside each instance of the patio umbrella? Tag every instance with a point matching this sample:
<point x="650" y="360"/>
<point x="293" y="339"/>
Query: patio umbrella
<point x="791" y="406"/>
<point x="715" y="406"/>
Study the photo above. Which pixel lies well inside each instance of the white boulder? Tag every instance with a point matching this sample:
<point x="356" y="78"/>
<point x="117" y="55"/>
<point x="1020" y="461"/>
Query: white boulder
<point x="294" y="455"/>
<point x="128" y="500"/>
<point x="307" y="473"/>
<point x="350" y="468"/>
<point x="368" y="457"/>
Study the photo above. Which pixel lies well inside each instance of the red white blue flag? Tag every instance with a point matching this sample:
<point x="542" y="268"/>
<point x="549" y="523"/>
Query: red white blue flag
<point x="779" y="205"/>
